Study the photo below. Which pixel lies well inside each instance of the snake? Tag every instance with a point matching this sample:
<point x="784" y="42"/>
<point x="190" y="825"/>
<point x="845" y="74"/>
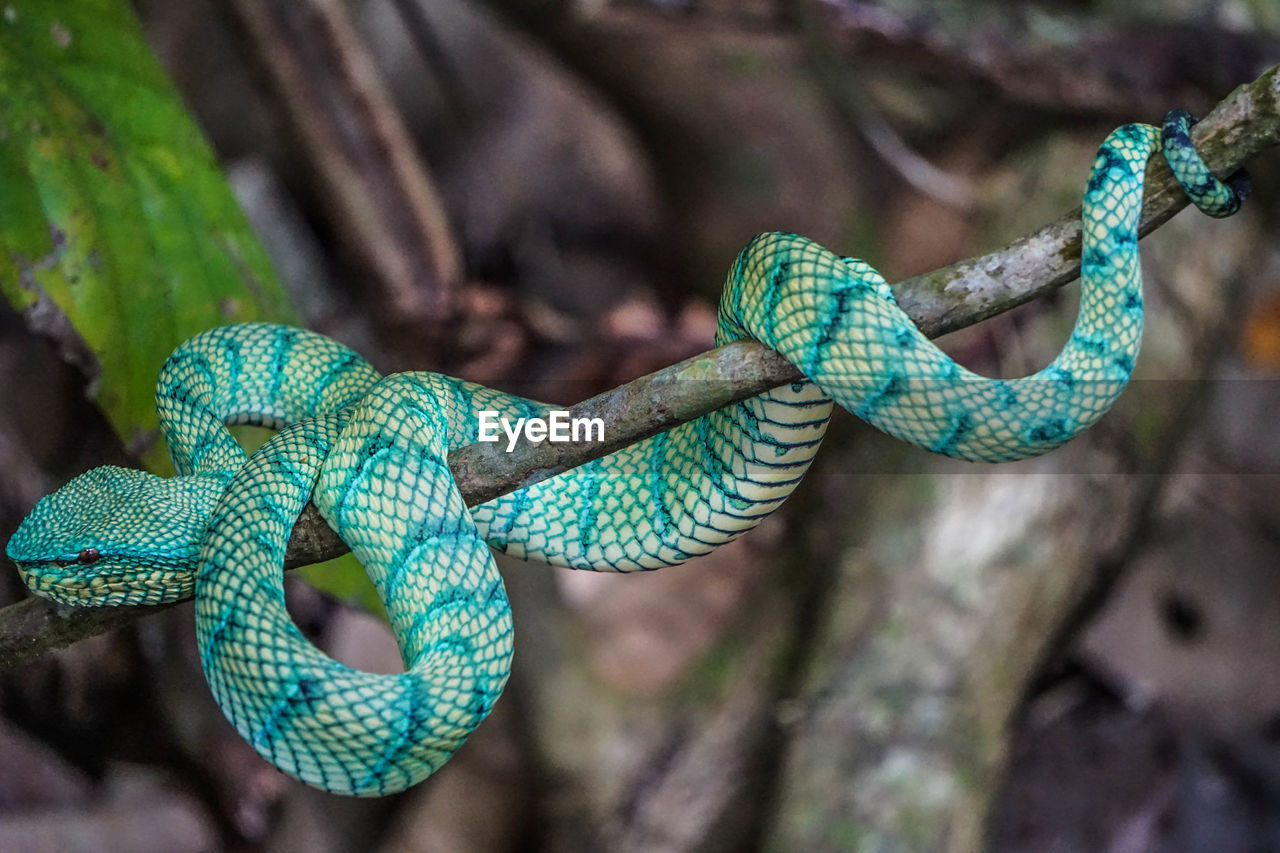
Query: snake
<point x="371" y="452"/>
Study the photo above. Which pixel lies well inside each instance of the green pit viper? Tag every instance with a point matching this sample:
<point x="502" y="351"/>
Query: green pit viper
<point x="371" y="451"/>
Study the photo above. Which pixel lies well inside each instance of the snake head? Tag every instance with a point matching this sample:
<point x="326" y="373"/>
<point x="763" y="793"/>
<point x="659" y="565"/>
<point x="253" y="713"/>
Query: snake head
<point x="116" y="536"/>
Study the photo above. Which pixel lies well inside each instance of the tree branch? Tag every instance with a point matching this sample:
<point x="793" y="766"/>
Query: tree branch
<point x="1246" y="123"/>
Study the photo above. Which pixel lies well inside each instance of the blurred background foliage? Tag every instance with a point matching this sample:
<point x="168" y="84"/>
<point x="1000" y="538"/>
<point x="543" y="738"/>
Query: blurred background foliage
<point x="116" y="219"/>
<point x="1069" y="654"/>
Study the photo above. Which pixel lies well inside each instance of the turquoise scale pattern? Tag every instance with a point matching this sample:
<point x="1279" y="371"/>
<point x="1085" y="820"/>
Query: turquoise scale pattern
<point x="874" y="362"/>
<point x="371" y="451"/>
<point x="314" y="718"/>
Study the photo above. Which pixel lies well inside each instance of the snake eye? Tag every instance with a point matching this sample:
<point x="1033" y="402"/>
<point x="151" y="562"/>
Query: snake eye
<point x="88" y="556"/>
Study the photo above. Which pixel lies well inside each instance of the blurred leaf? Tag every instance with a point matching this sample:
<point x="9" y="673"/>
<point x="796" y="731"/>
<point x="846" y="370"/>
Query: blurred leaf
<point x="1261" y="335"/>
<point x="119" y="236"/>
<point x="345" y="579"/>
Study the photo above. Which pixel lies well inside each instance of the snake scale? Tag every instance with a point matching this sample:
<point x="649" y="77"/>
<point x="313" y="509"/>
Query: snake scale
<point x="371" y="452"/>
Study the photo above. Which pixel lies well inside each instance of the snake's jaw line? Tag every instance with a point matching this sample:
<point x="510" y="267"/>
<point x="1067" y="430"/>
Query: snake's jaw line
<point x="372" y="452"/>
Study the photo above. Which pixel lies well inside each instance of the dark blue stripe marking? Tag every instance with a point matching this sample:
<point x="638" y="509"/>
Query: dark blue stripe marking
<point x="337" y="370"/>
<point x="1008" y="394"/>
<point x="1108" y="159"/>
<point x="841" y="293"/>
<point x="285" y="341"/>
<point x="517" y="506"/>
<point x="773" y="296"/>
<point x="1050" y="430"/>
<point x="961" y="425"/>
<point x="590" y="478"/>
<point x="262" y="735"/>
<point x="1097" y="346"/>
<point x="397" y="748"/>
<point x="660" y="513"/>
<point x="890" y="388"/>
<point x="1094" y="258"/>
<point x="215" y="635"/>
<point x="1061" y="375"/>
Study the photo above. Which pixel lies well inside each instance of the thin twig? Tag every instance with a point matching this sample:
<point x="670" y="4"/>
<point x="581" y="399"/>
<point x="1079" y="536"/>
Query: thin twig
<point x="1102" y="68"/>
<point x="449" y="80"/>
<point x="848" y="98"/>
<point x="377" y="188"/>
<point x="1246" y="123"/>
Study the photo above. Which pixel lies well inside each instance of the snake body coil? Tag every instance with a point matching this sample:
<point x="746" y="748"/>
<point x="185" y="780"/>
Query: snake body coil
<point x="373" y="451"/>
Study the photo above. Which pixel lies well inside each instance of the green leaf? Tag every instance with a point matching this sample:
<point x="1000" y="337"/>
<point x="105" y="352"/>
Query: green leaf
<point x="345" y="579"/>
<point x="119" y="236"/>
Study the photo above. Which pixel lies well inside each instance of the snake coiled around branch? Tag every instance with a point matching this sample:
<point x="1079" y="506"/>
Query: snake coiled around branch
<point x="371" y="451"/>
